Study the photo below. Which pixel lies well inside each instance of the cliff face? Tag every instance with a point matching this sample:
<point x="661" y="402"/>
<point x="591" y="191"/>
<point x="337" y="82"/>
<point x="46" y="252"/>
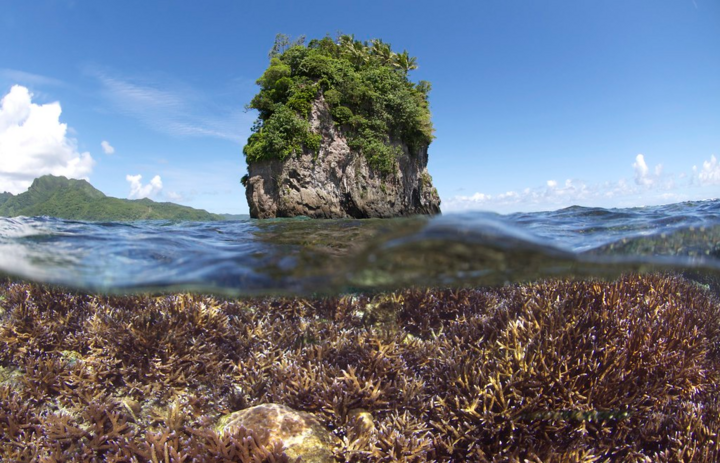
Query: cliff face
<point x="337" y="182"/>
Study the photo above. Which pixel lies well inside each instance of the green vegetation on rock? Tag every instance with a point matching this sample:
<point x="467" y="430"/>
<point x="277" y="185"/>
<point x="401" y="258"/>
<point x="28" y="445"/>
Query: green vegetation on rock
<point x="366" y="87"/>
<point x="78" y="200"/>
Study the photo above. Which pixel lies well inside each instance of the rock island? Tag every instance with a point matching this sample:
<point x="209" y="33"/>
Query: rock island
<point x="341" y="132"/>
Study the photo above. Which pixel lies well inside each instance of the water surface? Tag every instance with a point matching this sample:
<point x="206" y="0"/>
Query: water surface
<point x="303" y="256"/>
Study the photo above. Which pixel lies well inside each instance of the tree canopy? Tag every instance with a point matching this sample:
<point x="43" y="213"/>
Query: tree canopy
<point x="366" y="87"/>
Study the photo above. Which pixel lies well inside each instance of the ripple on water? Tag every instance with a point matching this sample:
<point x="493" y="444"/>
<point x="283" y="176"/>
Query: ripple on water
<point x="315" y="256"/>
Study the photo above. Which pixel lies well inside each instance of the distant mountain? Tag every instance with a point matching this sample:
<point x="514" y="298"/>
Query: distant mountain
<point x="4" y="197"/>
<point x="78" y="200"/>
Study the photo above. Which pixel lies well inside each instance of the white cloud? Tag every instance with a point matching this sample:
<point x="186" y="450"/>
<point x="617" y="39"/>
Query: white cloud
<point x="27" y="78"/>
<point x="649" y="187"/>
<point x="107" y="147"/>
<point x="174" y="109"/>
<point x="643" y="177"/>
<point x="174" y="196"/>
<point x="641" y="171"/>
<point x="552" y="194"/>
<point x="710" y="173"/>
<point x="138" y="190"/>
<point x="33" y="142"/>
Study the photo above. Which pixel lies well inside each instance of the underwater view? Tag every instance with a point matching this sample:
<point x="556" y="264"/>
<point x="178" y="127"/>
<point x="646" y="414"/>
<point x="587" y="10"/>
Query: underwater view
<point x="583" y="334"/>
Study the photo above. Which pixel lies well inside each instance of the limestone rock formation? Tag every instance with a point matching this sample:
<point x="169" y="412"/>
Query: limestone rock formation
<point x="300" y="433"/>
<point x="337" y="182"/>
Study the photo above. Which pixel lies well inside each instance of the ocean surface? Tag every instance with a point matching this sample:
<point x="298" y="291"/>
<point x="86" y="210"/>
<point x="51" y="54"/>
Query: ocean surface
<point x="304" y="256"/>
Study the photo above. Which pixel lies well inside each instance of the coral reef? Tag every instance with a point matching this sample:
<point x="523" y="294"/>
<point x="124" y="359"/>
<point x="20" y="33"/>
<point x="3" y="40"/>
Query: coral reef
<point x="627" y="370"/>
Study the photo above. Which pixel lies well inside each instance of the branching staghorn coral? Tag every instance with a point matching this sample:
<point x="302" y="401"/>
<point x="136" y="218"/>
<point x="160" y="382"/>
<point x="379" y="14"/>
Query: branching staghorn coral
<point x="550" y="371"/>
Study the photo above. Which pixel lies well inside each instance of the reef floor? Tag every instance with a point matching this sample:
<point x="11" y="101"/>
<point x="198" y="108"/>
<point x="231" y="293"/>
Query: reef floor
<point x="626" y="370"/>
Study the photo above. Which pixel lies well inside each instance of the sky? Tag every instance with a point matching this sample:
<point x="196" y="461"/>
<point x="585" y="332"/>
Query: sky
<point x="537" y="105"/>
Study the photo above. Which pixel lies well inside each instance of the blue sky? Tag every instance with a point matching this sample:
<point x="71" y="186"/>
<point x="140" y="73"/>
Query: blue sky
<point x="537" y="105"/>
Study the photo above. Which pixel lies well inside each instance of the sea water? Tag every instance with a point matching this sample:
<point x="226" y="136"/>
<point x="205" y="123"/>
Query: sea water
<point x="304" y="256"/>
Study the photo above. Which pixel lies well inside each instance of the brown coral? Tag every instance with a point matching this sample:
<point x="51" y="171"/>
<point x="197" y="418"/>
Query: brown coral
<point x="556" y="370"/>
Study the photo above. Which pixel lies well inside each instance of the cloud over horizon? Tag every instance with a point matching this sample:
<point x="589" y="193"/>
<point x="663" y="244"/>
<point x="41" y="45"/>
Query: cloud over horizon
<point x="139" y="191"/>
<point x="651" y="186"/>
<point x="710" y="173"/>
<point x="33" y="142"/>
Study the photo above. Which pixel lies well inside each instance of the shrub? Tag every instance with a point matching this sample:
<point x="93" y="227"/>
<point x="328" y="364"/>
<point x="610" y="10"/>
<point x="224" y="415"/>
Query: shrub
<point x="301" y="98"/>
<point x="281" y="135"/>
<point x="332" y="97"/>
<point x="342" y="114"/>
<point x="312" y="142"/>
